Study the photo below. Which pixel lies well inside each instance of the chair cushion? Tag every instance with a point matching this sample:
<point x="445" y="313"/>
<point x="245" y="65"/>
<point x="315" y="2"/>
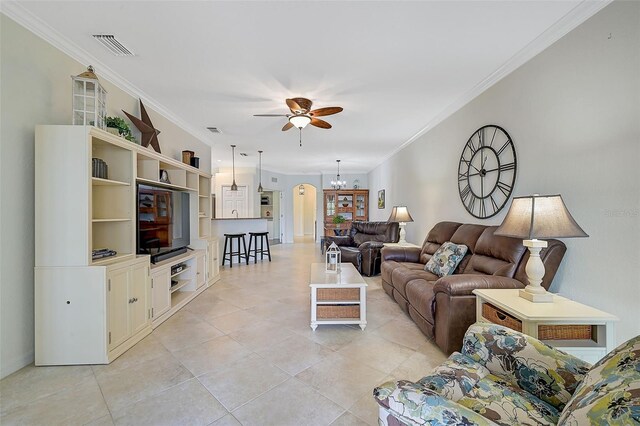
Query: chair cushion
<point x="529" y="364"/>
<point x="446" y="259"/>
<point x="420" y="295"/>
<point x="505" y="404"/>
<point x="440" y="233"/>
<point x="495" y="255"/>
<point x="610" y="392"/>
<point x="455" y="377"/>
<point x="410" y="271"/>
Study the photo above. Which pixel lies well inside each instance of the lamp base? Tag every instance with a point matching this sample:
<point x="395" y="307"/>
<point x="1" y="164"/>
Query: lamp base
<point x="534" y="292"/>
<point x="403" y="233"/>
<point x="545" y="297"/>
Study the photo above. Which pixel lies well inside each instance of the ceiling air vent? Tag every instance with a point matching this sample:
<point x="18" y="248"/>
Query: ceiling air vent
<point x="110" y="42"/>
<point x="244" y="154"/>
<point x="214" y="130"/>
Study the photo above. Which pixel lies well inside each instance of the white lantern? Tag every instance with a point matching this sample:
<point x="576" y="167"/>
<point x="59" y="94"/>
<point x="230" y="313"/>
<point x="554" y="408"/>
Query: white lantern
<point x="333" y="259"/>
<point x="89" y="100"/>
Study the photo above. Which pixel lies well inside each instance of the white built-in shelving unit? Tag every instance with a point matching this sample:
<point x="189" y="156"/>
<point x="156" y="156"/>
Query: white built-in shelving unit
<point x="91" y="311"/>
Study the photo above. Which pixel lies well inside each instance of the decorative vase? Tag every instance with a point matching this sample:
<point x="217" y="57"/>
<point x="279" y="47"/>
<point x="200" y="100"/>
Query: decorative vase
<point x="113" y="131"/>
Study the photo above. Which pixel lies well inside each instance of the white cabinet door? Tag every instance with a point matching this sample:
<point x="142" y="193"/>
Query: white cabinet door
<point x="160" y="292"/>
<point x="118" y="289"/>
<point x="200" y="270"/>
<point x="139" y="297"/>
<point x="213" y="268"/>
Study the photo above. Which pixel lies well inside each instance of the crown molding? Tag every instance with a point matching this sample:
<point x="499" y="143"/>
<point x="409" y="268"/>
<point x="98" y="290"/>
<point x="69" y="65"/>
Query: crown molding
<point x="573" y="18"/>
<point x="31" y="22"/>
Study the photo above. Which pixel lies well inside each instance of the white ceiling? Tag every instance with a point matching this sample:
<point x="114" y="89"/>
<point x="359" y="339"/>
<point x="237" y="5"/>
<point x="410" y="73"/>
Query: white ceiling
<point x="395" y="67"/>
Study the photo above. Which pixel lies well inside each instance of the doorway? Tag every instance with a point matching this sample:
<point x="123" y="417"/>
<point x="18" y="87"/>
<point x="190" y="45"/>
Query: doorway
<point x="304" y="213"/>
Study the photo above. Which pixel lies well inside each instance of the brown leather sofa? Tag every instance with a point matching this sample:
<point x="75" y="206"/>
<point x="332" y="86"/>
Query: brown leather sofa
<point x="362" y="244"/>
<point x="444" y="308"/>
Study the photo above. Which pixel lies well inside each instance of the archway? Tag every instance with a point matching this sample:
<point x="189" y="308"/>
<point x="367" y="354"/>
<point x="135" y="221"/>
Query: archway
<point x="304" y="213"/>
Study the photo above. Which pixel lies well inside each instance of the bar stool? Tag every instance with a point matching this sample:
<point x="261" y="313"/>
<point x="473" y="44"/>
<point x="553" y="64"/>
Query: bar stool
<point x="228" y="238"/>
<point x="253" y="241"/>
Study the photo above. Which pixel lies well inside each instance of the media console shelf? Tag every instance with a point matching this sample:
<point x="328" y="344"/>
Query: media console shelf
<point x="91" y="311"/>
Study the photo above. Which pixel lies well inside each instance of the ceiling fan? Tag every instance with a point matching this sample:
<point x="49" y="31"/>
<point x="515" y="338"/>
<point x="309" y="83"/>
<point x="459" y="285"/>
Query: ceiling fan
<point x="301" y="115"/>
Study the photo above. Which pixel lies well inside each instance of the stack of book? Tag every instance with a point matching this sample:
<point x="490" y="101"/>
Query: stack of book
<point x="102" y="253"/>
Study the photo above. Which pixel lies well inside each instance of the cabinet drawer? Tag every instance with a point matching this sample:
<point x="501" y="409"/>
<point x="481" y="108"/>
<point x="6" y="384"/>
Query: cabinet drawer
<point x="338" y="311"/>
<point x="498" y="316"/>
<point x="339" y="294"/>
<point x="565" y="332"/>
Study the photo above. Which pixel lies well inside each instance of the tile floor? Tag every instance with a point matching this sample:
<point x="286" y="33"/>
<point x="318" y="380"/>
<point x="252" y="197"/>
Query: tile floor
<point x="240" y="353"/>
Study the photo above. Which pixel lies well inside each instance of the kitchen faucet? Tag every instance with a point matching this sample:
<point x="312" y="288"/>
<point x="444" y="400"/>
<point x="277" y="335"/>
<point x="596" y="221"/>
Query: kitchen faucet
<point x="236" y="212"/>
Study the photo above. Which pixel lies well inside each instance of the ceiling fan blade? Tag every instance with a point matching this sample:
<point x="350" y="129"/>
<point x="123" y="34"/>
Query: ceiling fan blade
<point x="299" y="105"/>
<point x="325" y="111"/>
<point x="271" y="115"/>
<point x="293" y="106"/>
<point x="320" y="123"/>
<point x="287" y="127"/>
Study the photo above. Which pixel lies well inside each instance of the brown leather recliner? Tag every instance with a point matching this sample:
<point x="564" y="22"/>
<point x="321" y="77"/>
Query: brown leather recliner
<point x="444" y="308"/>
<point x="362" y="244"/>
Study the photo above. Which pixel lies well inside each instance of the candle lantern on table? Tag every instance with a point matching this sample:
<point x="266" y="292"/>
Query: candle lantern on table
<point x="333" y="259"/>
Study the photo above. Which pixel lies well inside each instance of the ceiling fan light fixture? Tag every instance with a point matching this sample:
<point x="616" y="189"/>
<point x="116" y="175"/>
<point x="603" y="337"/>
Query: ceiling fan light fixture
<point x="300" y="121"/>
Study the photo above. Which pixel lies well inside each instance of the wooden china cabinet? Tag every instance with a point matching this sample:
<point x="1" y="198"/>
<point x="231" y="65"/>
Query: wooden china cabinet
<point x="352" y="204"/>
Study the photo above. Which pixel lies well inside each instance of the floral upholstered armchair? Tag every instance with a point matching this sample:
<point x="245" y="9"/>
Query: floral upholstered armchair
<point x="503" y="377"/>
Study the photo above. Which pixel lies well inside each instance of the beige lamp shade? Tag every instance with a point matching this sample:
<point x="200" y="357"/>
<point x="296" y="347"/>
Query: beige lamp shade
<point x="400" y="214"/>
<point x="539" y="217"/>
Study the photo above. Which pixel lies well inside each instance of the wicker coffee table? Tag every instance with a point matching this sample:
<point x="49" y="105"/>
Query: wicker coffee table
<point x="337" y="298"/>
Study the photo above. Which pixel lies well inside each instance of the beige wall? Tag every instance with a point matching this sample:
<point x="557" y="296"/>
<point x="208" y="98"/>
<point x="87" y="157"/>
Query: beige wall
<point x="36" y="89"/>
<point x="573" y="112"/>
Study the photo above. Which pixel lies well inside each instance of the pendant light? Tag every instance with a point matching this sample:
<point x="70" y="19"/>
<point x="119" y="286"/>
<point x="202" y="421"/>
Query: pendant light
<point x="260" y="184"/>
<point x="338" y="184"/>
<point x="234" y="186"/>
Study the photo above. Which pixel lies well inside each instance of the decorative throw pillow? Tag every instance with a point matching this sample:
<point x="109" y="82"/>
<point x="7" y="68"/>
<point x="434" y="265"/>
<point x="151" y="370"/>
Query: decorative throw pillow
<point x="445" y="260"/>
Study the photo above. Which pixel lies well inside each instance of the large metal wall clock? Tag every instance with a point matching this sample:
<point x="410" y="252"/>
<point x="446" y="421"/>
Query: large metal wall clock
<point x="487" y="171"/>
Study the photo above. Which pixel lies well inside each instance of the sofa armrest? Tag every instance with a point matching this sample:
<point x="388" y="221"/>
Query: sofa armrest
<point x="340" y="240"/>
<point x="369" y="245"/>
<point x="543" y="371"/>
<point x="401" y="254"/>
<point x="416" y="404"/>
<point x="464" y="284"/>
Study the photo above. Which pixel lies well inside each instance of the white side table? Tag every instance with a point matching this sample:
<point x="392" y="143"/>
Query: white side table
<point x="337" y="298"/>
<point x="399" y="245"/>
<point x="550" y="322"/>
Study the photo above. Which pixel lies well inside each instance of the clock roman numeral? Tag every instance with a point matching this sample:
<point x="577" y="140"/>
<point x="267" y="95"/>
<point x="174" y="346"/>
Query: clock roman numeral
<point x="507" y="166"/>
<point x="506" y="144"/>
<point x="466" y="191"/>
<point x="483" y="209"/>
<point x="495" y="130"/>
<point x="481" y="137"/>
<point x="494" y="205"/>
<point x="462" y="177"/>
<point x="471" y="203"/>
<point x="504" y="188"/>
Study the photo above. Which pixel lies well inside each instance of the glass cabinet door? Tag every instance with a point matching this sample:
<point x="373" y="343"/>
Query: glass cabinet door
<point x="330" y="205"/>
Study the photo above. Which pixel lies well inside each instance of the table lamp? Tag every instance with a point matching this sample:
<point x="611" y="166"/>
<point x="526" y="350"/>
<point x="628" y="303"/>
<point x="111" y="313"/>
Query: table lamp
<point x="401" y="215"/>
<point x="533" y="217"/>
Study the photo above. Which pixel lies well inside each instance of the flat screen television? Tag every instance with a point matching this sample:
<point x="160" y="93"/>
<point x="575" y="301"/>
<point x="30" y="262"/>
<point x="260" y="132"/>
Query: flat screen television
<point x="163" y="222"/>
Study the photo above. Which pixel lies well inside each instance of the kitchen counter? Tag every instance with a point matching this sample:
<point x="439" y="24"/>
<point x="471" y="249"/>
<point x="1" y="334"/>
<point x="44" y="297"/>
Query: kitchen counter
<point x="231" y="225"/>
<point x="238" y="218"/>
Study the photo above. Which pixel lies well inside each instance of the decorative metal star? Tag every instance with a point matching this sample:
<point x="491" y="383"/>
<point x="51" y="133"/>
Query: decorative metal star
<point x="149" y="133"/>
